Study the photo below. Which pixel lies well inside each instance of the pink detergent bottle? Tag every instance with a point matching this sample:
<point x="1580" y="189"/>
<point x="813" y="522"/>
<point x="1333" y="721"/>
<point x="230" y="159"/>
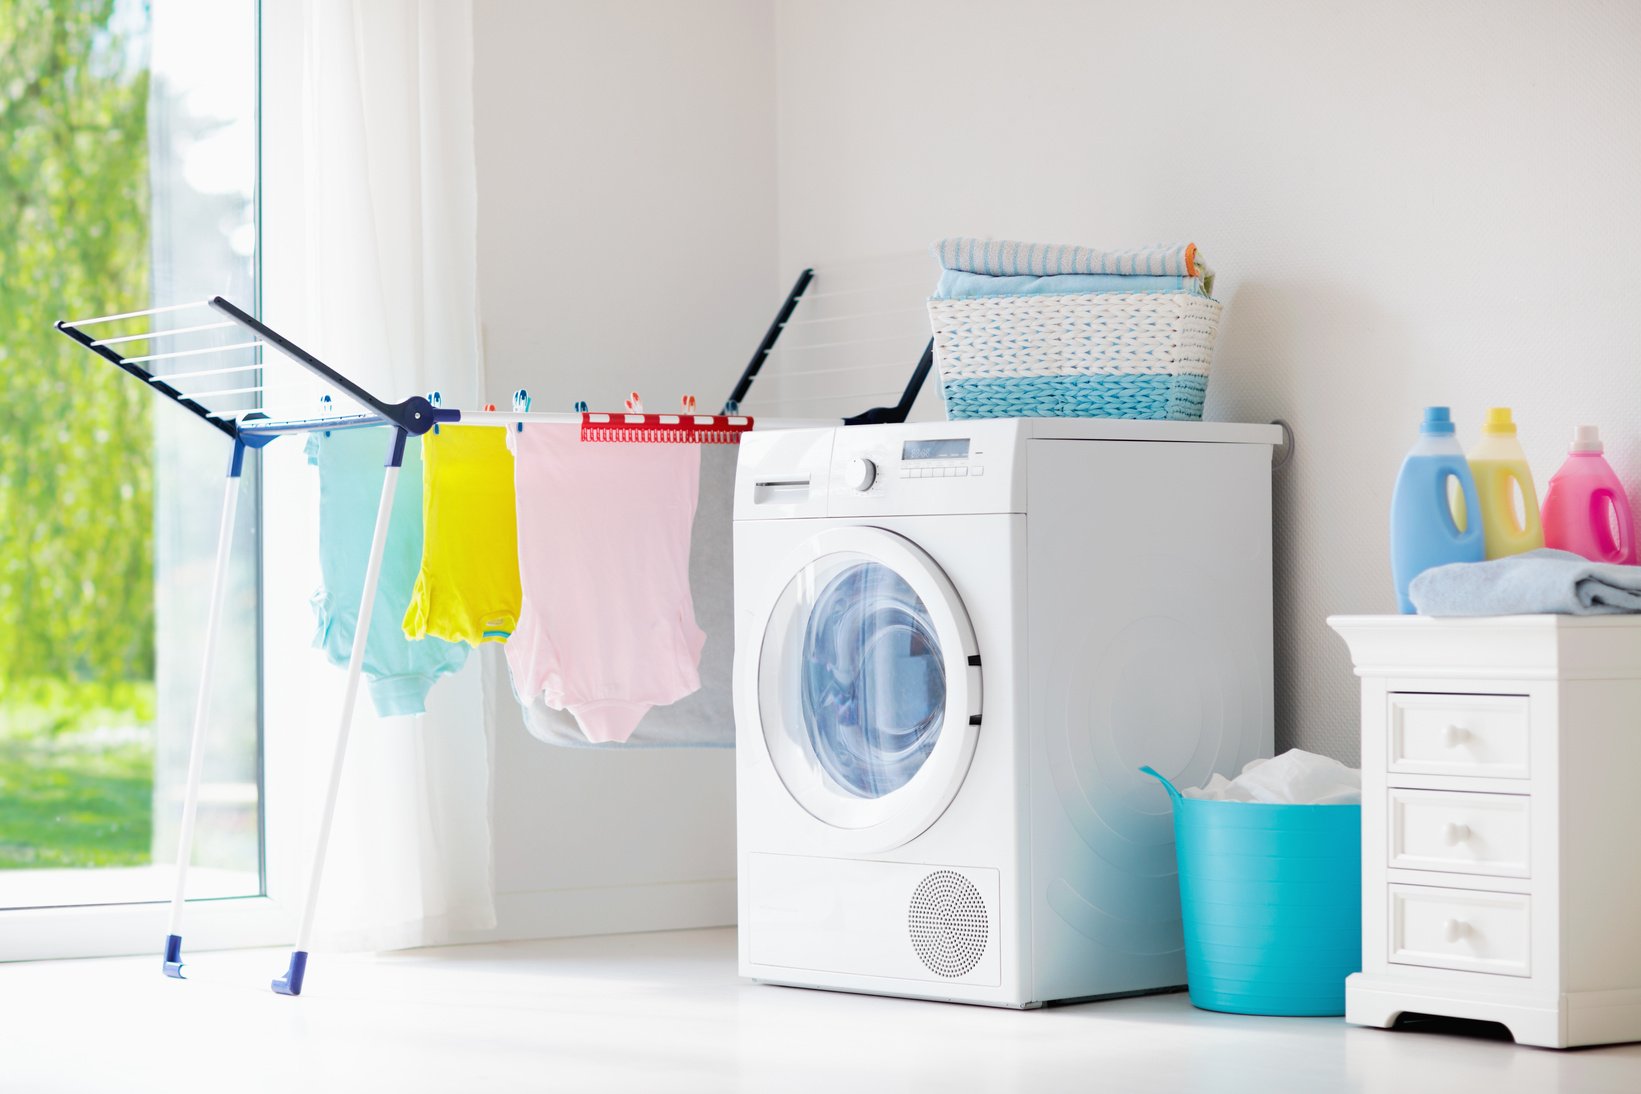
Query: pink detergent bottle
<point x="1585" y="502"/>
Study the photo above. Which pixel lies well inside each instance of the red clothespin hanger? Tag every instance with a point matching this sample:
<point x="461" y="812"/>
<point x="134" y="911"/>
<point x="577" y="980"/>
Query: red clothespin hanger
<point x="686" y="427"/>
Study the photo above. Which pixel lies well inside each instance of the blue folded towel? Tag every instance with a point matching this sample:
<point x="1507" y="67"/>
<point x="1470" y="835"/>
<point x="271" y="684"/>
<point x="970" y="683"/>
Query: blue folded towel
<point x="1007" y="258"/>
<point x="962" y="285"/>
<point x="1543" y="581"/>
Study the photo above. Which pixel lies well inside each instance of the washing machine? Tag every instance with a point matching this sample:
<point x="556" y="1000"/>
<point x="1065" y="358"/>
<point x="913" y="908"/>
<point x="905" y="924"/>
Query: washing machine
<point x="956" y="644"/>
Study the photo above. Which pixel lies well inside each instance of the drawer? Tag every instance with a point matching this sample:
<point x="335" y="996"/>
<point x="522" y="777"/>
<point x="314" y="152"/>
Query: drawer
<point x="1459" y="929"/>
<point x="1480" y="736"/>
<point x="1460" y="833"/>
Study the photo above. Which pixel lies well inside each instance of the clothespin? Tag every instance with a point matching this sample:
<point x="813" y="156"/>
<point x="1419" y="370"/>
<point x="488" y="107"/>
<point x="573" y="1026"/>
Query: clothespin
<point x="325" y="409"/>
<point x="731" y="407"/>
<point x="689" y="405"/>
<point x="521" y="405"/>
<point x="489" y="408"/>
<point x="635" y="405"/>
<point x="581" y="406"/>
<point x="436" y="399"/>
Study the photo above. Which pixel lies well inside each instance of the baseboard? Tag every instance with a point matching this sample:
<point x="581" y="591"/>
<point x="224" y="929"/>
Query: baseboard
<point x="614" y="909"/>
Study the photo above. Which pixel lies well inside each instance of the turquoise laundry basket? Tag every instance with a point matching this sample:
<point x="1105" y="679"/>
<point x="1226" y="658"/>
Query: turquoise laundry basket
<point x="1271" y="898"/>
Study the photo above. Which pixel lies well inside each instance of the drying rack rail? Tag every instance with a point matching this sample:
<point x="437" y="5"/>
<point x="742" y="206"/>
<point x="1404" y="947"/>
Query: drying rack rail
<point x="251" y="426"/>
<point x="253" y="396"/>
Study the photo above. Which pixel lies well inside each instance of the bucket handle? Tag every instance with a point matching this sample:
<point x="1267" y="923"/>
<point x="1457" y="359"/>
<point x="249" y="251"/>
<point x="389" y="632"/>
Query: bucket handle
<point x="1173" y="792"/>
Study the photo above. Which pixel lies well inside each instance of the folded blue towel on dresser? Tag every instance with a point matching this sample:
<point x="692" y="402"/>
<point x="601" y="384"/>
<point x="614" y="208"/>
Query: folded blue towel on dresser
<point x="963" y="285"/>
<point x="1537" y="582"/>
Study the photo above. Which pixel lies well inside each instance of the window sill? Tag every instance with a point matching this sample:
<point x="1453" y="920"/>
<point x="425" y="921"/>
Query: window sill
<point x="110" y="930"/>
<point x="25" y="889"/>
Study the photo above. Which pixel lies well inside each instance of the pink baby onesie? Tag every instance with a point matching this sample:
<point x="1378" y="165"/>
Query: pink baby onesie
<point x="607" y="628"/>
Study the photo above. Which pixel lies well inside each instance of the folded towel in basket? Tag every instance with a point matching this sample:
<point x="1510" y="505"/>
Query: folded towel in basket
<point x="1007" y="258"/>
<point x="1545" y="581"/>
<point x="963" y="285"/>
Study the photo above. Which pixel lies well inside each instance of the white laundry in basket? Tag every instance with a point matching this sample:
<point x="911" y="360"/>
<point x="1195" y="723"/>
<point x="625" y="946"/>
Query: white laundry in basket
<point x="1294" y="778"/>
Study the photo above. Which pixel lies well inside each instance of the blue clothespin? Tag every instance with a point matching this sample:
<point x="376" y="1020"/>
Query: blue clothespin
<point x="731" y="407"/>
<point x="436" y="399"/>
<point x="325" y="409"/>
<point x="521" y="405"/>
<point x="581" y="406"/>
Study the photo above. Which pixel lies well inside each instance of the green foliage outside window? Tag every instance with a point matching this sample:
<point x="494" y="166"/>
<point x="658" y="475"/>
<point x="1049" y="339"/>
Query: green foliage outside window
<point x="76" y="439"/>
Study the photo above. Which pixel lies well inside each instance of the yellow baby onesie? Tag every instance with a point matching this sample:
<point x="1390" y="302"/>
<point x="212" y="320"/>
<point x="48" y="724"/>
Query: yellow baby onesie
<point x="468" y="586"/>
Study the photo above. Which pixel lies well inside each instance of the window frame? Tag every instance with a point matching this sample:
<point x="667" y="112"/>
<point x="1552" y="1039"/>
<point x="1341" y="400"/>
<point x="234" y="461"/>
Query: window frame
<point x="266" y="918"/>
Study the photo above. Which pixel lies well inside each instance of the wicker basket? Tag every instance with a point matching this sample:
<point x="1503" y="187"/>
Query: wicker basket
<point x="1087" y="355"/>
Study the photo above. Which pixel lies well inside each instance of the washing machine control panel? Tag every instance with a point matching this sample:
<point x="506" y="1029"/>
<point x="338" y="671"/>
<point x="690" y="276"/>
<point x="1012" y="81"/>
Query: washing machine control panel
<point x="933" y="467"/>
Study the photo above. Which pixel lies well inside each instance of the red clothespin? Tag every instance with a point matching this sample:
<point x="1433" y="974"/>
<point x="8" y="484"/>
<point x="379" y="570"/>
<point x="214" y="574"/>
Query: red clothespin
<point x="635" y="405"/>
<point x="689" y="404"/>
<point x="490" y="408"/>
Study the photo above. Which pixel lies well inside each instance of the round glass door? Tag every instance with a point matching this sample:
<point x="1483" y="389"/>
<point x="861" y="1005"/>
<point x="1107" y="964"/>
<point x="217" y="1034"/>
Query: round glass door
<point x="873" y="686"/>
<point x="868" y="687"/>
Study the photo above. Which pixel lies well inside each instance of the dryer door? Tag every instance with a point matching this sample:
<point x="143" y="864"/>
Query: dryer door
<point x="868" y="686"/>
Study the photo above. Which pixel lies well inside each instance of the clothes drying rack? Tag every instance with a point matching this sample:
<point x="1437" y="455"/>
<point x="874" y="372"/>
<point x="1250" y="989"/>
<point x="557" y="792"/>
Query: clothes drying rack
<point x="257" y="426"/>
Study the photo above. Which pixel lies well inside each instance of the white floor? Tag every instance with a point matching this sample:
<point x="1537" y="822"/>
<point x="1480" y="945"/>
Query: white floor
<point x="664" y="1012"/>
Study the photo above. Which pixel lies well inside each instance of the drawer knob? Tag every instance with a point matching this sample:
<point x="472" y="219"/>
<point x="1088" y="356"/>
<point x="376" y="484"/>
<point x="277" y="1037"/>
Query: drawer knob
<point x="1457" y="833"/>
<point x="1454" y="736"/>
<point x="1456" y="929"/>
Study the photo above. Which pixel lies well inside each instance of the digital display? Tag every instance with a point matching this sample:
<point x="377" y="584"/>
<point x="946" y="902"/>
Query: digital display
<point x="946" y="448"/>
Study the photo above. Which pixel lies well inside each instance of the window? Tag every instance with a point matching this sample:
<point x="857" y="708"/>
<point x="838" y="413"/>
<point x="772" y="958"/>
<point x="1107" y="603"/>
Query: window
<point x="128" y="179"/>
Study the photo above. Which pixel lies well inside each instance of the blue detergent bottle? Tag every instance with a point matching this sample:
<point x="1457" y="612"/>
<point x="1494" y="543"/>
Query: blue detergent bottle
<point x="1423" y="532"/>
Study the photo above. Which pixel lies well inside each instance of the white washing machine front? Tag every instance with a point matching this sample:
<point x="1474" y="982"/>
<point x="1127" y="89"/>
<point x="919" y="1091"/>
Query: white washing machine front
<point x="868" y="686"/>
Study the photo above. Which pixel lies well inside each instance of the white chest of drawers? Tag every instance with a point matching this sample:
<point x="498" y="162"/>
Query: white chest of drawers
<point x="1501" y="823"/>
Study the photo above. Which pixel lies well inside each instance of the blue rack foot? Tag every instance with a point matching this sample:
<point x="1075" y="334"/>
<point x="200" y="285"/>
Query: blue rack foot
<point x="173" y="956"/>
<point x="291" y="982"/>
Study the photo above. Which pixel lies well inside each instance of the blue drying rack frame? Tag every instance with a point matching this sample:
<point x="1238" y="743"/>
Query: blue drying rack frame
<point x="254" y="429"/>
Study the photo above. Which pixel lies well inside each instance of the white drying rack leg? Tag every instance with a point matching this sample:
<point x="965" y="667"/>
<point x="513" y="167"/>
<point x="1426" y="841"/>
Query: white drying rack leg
<point x="291" y="982"/>
<point x="202" y="712"/>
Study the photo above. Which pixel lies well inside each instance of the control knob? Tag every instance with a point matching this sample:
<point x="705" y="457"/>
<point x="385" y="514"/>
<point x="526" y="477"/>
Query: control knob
<point x="860" y="473"/>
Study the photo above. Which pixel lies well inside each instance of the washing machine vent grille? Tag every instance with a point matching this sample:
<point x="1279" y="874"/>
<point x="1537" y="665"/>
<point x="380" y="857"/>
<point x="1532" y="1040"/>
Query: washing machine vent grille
<point x="948" y="923"/>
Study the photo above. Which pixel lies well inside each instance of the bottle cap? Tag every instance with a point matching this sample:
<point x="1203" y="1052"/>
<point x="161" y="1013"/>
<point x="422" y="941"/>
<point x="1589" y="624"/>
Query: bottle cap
<point x="1499" y="421"/>
<point x="1586" y="438"/>
<point x="1437" y="419"/>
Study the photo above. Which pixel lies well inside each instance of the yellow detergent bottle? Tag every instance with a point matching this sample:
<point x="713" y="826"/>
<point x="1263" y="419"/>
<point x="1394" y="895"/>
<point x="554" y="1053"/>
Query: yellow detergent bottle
<point x="1496" y="463"/>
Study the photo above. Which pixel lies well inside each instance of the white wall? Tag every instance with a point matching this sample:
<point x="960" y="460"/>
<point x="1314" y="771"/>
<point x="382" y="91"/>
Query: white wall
<point x="626" y="166"/>
<point x="1408" y="203"/>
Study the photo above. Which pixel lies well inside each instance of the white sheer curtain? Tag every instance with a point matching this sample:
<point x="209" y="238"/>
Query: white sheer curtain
<point x="389" y="201"/>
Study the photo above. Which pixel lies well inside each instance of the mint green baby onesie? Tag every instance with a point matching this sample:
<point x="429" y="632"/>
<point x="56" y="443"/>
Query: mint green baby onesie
<point x="399" y="671"/>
